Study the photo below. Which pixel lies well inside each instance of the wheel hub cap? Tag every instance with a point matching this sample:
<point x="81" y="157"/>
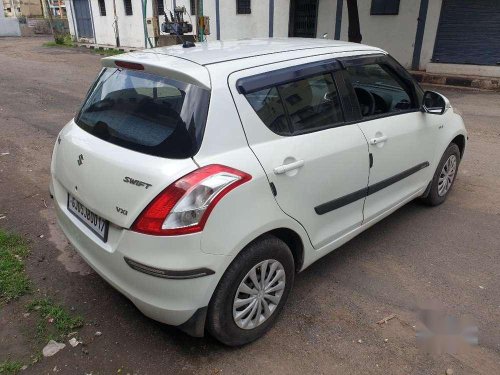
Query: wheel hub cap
<point x="447" y="175"/>
<point x="259" y="294"/>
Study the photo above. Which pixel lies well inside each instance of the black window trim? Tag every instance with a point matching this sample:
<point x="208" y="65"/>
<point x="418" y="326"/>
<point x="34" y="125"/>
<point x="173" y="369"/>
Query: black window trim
<point x="251" y="84"/>
<point x="395" y="68"/>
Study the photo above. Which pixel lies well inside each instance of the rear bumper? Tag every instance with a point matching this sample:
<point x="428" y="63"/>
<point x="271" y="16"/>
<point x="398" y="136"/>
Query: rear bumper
<point x="169" y="300"/>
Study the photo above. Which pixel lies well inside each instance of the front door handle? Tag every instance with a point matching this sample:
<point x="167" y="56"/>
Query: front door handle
<point x="288" y="167"/>
<point x="378" y="140"/>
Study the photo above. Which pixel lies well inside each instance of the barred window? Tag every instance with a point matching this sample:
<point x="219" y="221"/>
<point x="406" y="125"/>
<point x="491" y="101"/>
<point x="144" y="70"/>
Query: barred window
<point x="381" y="7"/>
<point x="128" y="7"/>
<point x="102" y="7"/>
<point x="243" y="7"/>
<point x="161" y="8"/>
<point x="193" y="7"/>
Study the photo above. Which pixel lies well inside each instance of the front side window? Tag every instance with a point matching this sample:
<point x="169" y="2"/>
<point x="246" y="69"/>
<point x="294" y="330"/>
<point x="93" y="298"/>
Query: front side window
<point x="379" y="90"/>
<point x="146" y="113"/>
<point x="301" y="106"/>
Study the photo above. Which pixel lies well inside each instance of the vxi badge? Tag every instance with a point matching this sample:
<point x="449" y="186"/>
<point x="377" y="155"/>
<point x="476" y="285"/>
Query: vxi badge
<point x="133" y="181"/>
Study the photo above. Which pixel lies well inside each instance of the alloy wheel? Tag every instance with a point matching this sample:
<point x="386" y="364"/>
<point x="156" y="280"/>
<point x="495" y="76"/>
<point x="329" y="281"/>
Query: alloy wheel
<point x="447" y="175"/>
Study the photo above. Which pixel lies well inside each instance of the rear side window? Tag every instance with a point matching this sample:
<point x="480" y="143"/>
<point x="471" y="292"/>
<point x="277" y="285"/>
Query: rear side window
<point x="146" y="113"/>
<point x="268" y="105"/>
<point x="301" y="106"/>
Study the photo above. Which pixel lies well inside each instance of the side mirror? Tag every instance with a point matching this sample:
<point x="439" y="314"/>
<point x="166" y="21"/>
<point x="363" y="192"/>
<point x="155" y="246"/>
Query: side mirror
<point x="434" y="103"/>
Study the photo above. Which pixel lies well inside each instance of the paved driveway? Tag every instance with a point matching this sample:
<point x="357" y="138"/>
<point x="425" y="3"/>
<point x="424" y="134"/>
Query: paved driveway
<point x="449" y="254"/>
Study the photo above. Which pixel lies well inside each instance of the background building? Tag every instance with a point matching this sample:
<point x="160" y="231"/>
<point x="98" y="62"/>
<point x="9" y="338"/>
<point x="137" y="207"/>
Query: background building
<point x="26" y="8"/>
<point x="421" y="34"/>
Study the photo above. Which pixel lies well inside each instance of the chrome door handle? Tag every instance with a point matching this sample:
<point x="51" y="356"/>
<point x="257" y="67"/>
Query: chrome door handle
<point x="288" y="167"/>
<point x="377" y="140"/>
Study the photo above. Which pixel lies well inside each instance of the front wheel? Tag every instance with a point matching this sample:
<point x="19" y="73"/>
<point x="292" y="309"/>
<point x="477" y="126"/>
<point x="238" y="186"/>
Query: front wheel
<point x="252" y="292"/>
<point x="444" y="177"/>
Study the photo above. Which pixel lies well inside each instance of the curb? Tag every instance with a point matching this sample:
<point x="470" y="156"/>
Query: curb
<point x="485" y="83"/>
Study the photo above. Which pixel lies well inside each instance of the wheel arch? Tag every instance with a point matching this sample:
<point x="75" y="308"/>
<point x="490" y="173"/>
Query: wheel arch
<point x="293" y="241"/>
<point x="459" y="140"/>
<point x="291" y="238"/>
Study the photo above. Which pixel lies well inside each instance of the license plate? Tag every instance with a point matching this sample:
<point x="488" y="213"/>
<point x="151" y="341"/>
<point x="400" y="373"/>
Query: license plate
<point x="94" y="222"/>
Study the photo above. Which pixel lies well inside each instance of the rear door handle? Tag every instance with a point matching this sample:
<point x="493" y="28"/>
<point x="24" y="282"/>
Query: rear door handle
<point x="288" y="167"/>
<point x="377" y="140"/>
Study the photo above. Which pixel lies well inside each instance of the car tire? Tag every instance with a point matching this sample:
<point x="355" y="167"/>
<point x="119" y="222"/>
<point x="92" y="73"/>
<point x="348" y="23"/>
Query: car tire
<point x="226" y="318"/>
<point x="441" y="184"/>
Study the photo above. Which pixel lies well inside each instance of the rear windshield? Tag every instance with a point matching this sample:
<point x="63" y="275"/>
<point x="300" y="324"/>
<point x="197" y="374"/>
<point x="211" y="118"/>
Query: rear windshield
<point x="146" y="113"/>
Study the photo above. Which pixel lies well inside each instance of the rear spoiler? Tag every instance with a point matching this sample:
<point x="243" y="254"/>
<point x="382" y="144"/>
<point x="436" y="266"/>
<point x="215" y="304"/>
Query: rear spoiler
<point x="162" y="65"/>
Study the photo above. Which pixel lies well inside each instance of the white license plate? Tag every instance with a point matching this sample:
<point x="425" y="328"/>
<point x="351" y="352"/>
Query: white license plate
<point x="94" y="222"/>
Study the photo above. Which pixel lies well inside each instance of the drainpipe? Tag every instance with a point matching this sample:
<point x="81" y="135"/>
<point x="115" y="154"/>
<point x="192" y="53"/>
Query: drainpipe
<point x="115" y="24"/>
<point x="146" y="38"/>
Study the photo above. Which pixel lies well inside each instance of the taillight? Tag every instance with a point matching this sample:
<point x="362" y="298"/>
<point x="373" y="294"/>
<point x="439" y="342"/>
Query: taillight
<point x="129" y="65"/>
<point x="184" y="206"/>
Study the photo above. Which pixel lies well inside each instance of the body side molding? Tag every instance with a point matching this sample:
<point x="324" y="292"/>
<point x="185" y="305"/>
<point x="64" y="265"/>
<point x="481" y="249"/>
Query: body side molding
<point x="362" y="193"/>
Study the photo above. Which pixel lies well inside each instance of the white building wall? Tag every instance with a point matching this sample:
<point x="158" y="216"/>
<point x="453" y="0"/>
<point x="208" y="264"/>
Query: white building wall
<point x="327" y="13"/>
<point x="393" y="33"/>
<point x="241" y="26"/>
<point x="281" y="17"/>
<point x="103" y="25"/>
<point x="9" y="26"/>
<point x="131" y="28"/>
<point x="71" y="20"/>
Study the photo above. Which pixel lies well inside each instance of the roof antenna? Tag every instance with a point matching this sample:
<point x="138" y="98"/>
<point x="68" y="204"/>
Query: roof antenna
<point x="188" y="44"/>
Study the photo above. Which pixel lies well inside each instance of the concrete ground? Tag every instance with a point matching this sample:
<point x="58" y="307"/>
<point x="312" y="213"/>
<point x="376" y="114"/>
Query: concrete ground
<point x="449" y="254"/>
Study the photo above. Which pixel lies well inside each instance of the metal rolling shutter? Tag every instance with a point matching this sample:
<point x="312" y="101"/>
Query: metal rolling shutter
<point x="468" y="32"/>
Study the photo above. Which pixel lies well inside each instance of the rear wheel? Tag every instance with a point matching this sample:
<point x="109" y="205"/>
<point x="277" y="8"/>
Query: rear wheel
<point x="252" y="292"/>
<point x="444" y="177"/>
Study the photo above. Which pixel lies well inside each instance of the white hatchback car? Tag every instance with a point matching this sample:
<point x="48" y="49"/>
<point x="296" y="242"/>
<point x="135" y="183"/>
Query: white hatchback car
<point x="199" y="180"/>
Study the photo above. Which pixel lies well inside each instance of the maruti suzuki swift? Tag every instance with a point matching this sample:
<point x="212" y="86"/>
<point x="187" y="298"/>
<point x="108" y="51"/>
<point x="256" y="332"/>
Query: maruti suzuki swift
<point x="198" y="180"/>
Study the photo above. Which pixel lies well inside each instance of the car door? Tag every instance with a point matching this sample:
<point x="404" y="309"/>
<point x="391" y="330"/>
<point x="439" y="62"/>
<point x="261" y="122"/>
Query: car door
<point x="401" y="138"/>
<point x="294" y="124"/>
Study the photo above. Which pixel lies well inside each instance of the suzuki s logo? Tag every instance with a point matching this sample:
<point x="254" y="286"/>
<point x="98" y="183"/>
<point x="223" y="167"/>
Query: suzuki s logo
<point x="80" y="159"/>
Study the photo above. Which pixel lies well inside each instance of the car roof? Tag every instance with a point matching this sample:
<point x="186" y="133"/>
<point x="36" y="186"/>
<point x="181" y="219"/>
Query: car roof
<point x="221" y="51"/>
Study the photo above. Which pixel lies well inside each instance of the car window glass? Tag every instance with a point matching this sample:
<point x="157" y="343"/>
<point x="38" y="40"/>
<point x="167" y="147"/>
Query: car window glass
<point x="312" y="103"/>
<point x="146" y="113"/>
<point x="268" y="106"/>
<point x="379" y="91"/>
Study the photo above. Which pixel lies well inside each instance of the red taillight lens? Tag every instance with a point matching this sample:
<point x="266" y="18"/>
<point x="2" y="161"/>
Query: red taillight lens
<point x="184" y="206"/>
